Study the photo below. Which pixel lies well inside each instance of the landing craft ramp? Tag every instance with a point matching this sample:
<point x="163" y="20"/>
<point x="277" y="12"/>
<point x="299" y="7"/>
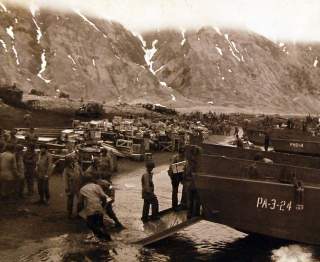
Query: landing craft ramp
<point x="170" y="222"/>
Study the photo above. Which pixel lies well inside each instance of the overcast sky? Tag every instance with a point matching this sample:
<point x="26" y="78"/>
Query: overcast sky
<point x="297" y="20"/>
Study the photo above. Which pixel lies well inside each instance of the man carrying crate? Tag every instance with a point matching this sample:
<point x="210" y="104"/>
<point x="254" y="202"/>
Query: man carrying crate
<point x="176" y="173"/>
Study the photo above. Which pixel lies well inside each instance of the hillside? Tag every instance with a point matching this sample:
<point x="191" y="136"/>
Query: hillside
<point x="238" y="69"/>
<point x="210" y="68"/>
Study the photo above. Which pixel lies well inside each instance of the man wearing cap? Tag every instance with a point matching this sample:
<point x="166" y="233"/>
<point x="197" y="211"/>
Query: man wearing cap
<point x="43" y="170"/>
<point x="72" y="178"/>
<point x="30" y="163"/>
<point x="149" y="198"/>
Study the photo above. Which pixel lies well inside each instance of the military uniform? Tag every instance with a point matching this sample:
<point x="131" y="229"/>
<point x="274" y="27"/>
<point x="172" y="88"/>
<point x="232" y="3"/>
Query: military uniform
<point x="148" y="196"/>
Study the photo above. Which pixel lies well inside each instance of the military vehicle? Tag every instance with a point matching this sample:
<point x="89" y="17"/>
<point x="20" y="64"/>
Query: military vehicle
<point x="11" y="95"/>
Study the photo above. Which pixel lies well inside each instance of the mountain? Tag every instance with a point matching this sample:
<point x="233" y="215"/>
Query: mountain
<point x="84" y="57"/>
<point x="238" y="69"/>
<point x="210" y="68"/>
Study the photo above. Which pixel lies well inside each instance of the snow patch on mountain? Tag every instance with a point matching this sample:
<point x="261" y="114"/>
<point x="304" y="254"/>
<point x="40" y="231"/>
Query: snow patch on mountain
<point x="43" y="67"/>
<point x="93" y="62"/>
<point x="3" y="7"/>
<point x="217" y="30"/>
<point x="183" y="31"/>
<point x="4" y="45"/>
<point x="219" y="50"/>
<point x="33" y="10"/>
<point x="232" y="49"/>
<point x="72" y="60"/>
<point x="173" y="98"/>
<point x="16" y="55"/>
<point x="148" y="53"/>
<point x="315" y="63"/>
<point x="77" y="11"/>
<point x="9" y="31"/>
<point x="159" y="69"/>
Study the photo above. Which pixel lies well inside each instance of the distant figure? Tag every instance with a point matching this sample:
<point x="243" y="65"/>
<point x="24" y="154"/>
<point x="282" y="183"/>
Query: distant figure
<point x="236" y="131"/>
<point x="12" y="138"/>
<point x="239" y="142"/>
<point x="266" y="141"/>
<point x="149" y="198"/>
<point x="31" y="136"/>
<point x="27" y="120"/>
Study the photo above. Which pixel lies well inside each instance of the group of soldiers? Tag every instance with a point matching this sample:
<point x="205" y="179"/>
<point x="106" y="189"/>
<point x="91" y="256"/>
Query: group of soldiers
<point x="90" y="188"/>
<point x="19" y="168"/>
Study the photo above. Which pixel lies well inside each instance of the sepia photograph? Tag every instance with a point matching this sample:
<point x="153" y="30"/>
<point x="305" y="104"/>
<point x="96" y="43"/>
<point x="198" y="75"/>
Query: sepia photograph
<point x="159" y="130"/>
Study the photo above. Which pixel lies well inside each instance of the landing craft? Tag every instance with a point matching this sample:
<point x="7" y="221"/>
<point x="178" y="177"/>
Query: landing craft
<point x="278" y="200"/>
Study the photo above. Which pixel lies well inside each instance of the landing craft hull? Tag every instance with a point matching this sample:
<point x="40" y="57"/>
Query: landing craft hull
<point x="261" y="207"/>
<point x="296" y="146"/>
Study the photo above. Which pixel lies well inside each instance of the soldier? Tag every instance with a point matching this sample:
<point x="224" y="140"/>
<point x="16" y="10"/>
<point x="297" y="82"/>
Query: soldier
<point x="239" y="142"/>
<point x="30" y="163"/>
<point x="149" y="198"/>
<point x="93" y="170"/>
<point x="12" y="138"/>
<point x="176" y="178"/>
<point x="109" y="191"/>
<point x="8" y="171"/>
<point x="192" y="196"/>
<point x="31" y="136"/>
<point x="43" y="170"/>
<point x="20" y="171"/>
<point x="94" y="199"/>
<point x="266" y="141"/>
<point x="105" y="164"/>
<point x="72" y="177"/>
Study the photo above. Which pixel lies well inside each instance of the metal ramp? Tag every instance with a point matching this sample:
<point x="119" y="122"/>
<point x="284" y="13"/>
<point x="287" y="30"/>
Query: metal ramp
<point x="170" y="223"/>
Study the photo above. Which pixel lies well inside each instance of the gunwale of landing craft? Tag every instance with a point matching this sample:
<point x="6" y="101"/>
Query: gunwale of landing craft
<point x="255" y="176"/>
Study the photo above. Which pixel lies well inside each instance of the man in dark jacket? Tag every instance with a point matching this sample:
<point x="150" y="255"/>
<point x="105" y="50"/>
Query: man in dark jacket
<point x="176" y="177"/>
<point x="44" y="169"/>
<point x="149" y="198"/>
<point x="30" y="163"/>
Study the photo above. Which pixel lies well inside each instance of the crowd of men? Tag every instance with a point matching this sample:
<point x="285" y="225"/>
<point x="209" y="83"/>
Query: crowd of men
<point x="91" y="187"/>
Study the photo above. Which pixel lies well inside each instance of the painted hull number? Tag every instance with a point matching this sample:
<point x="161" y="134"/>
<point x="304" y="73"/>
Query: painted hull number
<point x="296" y="145"/>
<point x="274" y="204"/>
